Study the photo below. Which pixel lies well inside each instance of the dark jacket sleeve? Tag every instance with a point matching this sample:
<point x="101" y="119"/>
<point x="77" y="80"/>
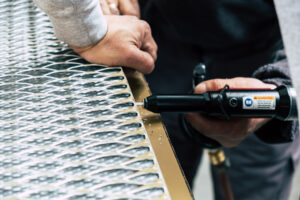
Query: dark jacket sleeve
<point x="277" y="73"/>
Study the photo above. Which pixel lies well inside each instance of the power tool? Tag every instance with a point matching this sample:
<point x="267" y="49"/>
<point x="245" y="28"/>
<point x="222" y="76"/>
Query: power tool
<point x="228" y="102"/>
<point x="279" y="103"/>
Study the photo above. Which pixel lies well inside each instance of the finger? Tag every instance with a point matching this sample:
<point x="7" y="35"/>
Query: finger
<point x="140" y="60"/>
<point x="148" y="43"/>
<point x="239" y="82"/>
<point x="113" y="6"/>
<point x="105" y="8"/>
<point x="129" y="7"/>
<point x="211" y="85"/>
<point x="194" y="121"/>
<point x="226" y="134"/>
<point x="213" y="127"/>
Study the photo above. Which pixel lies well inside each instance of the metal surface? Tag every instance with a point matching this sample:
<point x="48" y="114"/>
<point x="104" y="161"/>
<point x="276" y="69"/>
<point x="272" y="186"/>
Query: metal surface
<point x="68" y="129"/>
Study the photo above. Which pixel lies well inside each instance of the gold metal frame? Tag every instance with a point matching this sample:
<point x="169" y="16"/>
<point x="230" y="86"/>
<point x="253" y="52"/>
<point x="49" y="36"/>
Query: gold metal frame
<point x="176" y="183"/>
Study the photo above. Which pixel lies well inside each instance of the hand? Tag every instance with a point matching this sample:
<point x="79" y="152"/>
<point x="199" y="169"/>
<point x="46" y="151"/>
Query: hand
<point x="231" y="132"/>
<point x="128" y="42"/>
<point x="120" y="7"/>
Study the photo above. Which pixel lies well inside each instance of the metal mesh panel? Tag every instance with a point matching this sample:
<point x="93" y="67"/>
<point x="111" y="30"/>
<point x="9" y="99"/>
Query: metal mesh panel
<point x="68" y="129"/>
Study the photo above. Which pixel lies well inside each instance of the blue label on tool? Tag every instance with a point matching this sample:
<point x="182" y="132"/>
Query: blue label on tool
<point x="248" y="102"/>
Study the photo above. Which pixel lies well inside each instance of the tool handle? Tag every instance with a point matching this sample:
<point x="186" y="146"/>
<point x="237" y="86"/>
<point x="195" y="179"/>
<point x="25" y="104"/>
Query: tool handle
<point x="279" y="103"/>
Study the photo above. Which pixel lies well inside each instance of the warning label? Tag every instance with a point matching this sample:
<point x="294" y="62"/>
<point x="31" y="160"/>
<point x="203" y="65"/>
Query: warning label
<point x="259" y="103"/>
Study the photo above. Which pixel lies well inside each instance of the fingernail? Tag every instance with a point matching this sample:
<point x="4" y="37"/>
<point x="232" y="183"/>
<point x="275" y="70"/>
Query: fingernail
<point x="201" y="88"/>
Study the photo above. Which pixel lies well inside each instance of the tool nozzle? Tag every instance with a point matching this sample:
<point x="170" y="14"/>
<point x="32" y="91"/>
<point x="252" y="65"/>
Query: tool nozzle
<point x="139" y="103"/>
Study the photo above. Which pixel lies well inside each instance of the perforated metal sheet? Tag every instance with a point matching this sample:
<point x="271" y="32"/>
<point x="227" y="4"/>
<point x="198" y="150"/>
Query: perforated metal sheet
<point x="68" y="129"/>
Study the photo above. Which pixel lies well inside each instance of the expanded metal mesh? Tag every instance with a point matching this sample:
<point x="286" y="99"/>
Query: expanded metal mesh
<point x="68" y="129"/>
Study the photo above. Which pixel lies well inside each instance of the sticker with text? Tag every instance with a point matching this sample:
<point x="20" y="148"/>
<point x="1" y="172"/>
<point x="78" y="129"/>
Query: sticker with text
<point x="259" y="102"/>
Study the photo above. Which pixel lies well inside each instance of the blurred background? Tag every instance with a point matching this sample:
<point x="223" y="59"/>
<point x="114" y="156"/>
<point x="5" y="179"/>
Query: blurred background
<point x="203" y="184"/>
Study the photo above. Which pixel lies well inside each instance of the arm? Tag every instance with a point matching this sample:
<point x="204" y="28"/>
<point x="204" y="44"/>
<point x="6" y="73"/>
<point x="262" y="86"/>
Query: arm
<point x="77" y="22"/>
<point x="106" y="40"/>
<point x="277" y="73"/>
<point x="231" y="132"/>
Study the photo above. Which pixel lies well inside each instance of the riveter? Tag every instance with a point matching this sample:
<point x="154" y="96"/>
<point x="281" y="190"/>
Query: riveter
<point x="228" y="102"/>
<point x="279" y="103"/>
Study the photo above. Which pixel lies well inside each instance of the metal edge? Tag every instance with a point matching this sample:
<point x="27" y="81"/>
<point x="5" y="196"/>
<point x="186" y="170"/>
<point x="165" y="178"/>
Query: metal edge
<point x="163" y="150"/>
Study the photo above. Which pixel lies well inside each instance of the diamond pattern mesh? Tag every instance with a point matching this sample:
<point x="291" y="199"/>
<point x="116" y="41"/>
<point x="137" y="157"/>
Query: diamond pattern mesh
<point x="68" y="129"/>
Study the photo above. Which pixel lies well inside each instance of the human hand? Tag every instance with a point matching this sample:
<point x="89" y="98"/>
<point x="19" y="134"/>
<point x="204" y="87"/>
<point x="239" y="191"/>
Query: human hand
<point x="231" y="132"/>
<point x="120" y="7"/>
<point x="128" y="42"/>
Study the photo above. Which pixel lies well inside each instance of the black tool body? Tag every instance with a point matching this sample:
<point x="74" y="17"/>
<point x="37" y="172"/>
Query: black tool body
<point x="279" y="103"/>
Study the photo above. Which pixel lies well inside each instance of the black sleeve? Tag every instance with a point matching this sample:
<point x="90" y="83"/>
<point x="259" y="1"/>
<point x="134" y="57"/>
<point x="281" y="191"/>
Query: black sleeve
<point x="277" y="73"/>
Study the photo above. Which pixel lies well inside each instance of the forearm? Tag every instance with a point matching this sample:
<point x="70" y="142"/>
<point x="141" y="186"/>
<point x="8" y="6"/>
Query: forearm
<point x="277" y="73"/>
<point x="77" y="22"/>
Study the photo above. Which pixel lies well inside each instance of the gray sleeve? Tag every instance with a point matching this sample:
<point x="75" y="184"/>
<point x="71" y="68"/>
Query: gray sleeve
<point x="277" y="73"/>
<point x="77" y="22"/>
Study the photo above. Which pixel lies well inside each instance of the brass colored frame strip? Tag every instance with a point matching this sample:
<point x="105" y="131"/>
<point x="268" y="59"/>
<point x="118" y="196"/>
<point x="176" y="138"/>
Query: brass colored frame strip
<point x="176" y="183"/>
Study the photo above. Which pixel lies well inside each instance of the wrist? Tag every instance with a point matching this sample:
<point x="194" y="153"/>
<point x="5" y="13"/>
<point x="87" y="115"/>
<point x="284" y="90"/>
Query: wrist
<point x="80" y="50"/>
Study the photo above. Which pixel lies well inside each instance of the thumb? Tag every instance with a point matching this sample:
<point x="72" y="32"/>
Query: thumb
<point x="140" y="60"/>
<point x="129" y="7"/>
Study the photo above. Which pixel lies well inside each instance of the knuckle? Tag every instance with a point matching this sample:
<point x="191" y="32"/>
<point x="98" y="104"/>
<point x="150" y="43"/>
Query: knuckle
<point x="216" y="84"/>
<point x="132" y="17"/>
<point x="149" y="66"/>
<point x="220" y="83"/>
<point x="128" y="54"/>
<point x="155" y="47"/>
<point x="145" y="25"/>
